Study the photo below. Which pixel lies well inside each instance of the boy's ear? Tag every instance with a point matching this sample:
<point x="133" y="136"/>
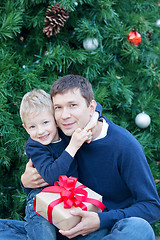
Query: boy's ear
<point x="25" y="127"/>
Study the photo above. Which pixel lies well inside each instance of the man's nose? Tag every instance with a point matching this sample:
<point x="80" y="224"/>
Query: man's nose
<point x="65" y="113"/>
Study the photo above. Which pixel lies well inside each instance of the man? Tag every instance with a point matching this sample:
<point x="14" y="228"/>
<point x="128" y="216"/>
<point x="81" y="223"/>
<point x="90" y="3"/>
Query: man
<point x="113" y="164"/>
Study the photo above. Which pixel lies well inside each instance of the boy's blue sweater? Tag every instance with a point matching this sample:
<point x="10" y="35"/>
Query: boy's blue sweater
<point x="50" y="160"/>
<point x="115" y="167"/>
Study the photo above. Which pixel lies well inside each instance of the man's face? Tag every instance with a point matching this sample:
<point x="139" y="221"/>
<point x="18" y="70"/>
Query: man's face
<point x="71" y="111"/>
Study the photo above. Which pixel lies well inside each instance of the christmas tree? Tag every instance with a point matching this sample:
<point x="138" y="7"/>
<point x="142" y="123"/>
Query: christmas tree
<point x="114" y="44"/>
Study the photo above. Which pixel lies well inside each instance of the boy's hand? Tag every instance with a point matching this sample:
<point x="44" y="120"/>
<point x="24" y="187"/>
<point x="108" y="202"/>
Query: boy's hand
<point x="90" y="222"/>
<point x="78" y="138"/>
<point x="31" y="178"/>
<point x="93" y="122"/>
<point x="91" y="125"/>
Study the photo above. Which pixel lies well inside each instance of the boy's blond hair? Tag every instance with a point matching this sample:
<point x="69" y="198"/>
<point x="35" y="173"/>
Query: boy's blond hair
<point x="35" y="101"/>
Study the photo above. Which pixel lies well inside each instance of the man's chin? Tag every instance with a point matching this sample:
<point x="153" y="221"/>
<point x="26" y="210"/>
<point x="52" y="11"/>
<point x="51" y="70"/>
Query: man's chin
<point x="68" y="132"/>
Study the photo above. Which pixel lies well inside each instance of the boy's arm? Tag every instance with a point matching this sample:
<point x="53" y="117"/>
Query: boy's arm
<point x="48" y="167"/>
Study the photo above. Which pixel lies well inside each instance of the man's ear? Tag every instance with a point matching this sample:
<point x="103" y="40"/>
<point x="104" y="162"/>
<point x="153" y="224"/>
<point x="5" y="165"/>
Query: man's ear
<point x="92" y="106"/>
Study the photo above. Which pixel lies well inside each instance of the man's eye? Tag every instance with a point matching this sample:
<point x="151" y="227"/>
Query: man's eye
<point x="73" y="105"/>
<point x="57" y="108"/>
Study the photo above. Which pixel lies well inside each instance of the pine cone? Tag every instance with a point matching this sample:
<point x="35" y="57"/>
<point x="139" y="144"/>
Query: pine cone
<point x="56" y="16"/>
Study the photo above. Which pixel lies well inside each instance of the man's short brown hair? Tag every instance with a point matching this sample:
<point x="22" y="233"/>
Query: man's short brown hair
<point x="70" y="82"/>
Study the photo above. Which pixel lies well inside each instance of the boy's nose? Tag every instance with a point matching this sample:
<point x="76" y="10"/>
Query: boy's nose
<point x="40" y="130"/>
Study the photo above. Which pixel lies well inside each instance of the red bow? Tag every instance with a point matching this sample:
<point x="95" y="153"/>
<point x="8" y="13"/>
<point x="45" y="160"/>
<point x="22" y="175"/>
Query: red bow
<point x="70" y="195"/>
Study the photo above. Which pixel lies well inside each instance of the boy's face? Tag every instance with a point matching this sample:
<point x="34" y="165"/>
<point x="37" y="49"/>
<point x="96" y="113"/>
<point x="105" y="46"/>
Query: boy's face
<point x="71" y="111"/>
<point x="42" y="127"/>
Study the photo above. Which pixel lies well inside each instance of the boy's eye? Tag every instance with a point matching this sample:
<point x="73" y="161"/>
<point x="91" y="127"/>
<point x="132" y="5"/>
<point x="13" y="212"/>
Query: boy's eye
<point x="31" y="127"/>
<point x="45" y="122"/>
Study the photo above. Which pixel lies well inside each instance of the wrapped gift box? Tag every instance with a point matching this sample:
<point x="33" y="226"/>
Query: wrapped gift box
<point x="61" y="217"/>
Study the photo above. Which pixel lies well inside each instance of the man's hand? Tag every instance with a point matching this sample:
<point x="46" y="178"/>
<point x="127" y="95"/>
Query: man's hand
<point x="31" y="178"/>
<point x="89" y="223"/>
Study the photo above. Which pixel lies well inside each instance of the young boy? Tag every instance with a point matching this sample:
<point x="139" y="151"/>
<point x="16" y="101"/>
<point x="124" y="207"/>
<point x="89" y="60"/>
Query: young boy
<point x="49" y="153"/>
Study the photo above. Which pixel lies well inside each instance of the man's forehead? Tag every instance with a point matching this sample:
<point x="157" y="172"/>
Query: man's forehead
<point x="70" y="95"/>
<point x="70" y="91"/>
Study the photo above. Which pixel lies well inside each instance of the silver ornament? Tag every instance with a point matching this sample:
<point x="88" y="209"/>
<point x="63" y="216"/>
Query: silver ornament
<point x="90" y="44"/>
<point x="142" y="120"/>
<point x="158" y="22"/>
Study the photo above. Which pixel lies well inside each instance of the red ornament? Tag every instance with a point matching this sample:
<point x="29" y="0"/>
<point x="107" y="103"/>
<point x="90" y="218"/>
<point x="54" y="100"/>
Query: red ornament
<point x="159" y="4"/>
<point x="134" y="37"/>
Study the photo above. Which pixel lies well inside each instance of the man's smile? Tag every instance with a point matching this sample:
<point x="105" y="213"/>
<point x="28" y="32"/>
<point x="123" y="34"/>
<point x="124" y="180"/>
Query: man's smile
<point x="68" y="125"/>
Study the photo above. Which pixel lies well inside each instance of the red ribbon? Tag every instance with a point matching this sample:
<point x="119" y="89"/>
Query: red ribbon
<point x="69" y="194"/>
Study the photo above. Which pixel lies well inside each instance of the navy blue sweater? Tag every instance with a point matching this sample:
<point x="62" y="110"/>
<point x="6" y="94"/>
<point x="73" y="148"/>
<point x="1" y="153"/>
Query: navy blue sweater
<point x="50" y="160"/>
<point x="115" y="167"/>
